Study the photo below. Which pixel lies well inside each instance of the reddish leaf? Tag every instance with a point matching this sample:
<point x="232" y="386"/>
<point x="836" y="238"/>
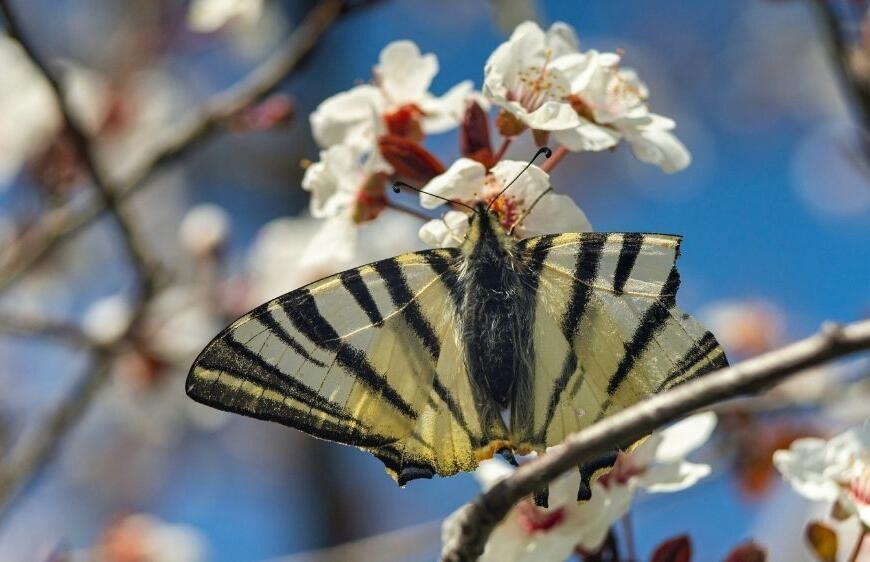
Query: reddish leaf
<point x="747" y="552"/>
<point x="410" y="160"/>
<point x="822" y="541"/>
<point x="677" y="549"/>
<point x="474" y="140"/>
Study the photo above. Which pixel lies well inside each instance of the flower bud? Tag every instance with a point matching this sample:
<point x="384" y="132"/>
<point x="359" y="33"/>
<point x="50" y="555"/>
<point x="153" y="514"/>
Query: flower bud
<point x="474" y="140"/>
<point x="409" y="159"/>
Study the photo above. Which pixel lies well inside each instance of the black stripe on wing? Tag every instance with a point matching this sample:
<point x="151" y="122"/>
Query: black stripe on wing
<point x="403" y="299"/>
<point x="304" y="315"/>
<point x="353" y="282"/>
<point x="585" y="271"/>
<point x="651" y="323"/>
<point x="631" y="245"/>
<point x="701" y="349"/>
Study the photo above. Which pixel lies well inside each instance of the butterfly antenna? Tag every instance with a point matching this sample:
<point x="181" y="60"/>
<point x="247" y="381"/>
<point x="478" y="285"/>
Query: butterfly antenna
<point x="545" y="150"/>
<point x="398" y="184"/>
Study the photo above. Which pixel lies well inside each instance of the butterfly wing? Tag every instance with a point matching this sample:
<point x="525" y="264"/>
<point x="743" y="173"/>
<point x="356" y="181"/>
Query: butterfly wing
<point x="607" y="331"/>
<point x="369" y="357"/>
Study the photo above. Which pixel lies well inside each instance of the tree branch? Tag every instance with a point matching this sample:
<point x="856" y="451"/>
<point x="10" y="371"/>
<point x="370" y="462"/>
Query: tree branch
<point x="59" y="225"/>
<point x="839" y="52"/>
<point x="25" y="326"/>
<point x="479" y="518"/>
<point x="25" y="459"/>
<point x="142" y="262"/>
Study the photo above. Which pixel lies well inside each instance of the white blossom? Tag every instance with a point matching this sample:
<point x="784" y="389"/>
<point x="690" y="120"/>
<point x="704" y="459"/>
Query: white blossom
<point x="399" y="98"/>
<point x="469" y="182"/>
<point x="28" y="112"/>
<point x="345" y="192"/>
<point x="204" y="230"/>
<point x="206" y="16"/>
<point x="585" y="99"/>
<point x="530" y="533"/>
<point x="835" y="470"/>
<point x="107" y="319"/>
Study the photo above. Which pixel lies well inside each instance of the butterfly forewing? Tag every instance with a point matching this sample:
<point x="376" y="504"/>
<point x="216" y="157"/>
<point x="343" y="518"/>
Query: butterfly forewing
<point x="607" y="332"/>
<point x="370" y="357"/>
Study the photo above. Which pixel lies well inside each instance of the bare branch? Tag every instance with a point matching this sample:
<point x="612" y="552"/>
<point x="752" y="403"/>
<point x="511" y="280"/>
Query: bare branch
<point x="59" y="225"/>
<point x="107" y="196"/>
<point x="25" y="459"/>
<point x="840" y="54"/>
<point x="24" y="326"/>
<point x="480" y="517"/>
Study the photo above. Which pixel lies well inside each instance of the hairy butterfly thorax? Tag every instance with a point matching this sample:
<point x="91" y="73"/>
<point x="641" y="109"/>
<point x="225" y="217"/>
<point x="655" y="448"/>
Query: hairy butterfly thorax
<point x="497" y="300"/>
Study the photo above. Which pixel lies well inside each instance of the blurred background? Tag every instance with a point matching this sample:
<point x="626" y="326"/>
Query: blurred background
<point x="774" y="210"/>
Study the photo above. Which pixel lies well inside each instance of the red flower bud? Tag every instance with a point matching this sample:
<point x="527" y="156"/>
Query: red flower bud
<point x="747" y="552"/>
<point x="474" y="140"/>
<point x="677" y="549"/>
<point x="410" y="160"/>
<point x="405" y="122"/>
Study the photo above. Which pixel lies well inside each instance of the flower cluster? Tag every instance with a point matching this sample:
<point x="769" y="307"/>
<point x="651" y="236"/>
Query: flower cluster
<point x="373" y="134"/>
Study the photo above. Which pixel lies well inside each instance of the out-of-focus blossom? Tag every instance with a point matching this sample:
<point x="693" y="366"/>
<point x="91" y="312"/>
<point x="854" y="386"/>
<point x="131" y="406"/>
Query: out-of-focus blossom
<point x="107" y="319"/>
<point x="584" y="99"/>
<point x="835" y="471"/>
<point x="204" y="230"/>
<point x="144" y="538"/>
<point x="745" y="327"/>
<point x="469" y="182"/>
<point x="531" y="533"/>
<point x="28" y="112"/>
<point x="398" y="103"/>
<point x="206" y="16"/>
<point x="179" y="322"/>
<point x="276" y="110"/>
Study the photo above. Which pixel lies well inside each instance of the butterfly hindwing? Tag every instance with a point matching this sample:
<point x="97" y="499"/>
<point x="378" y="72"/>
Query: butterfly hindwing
<point x="607" y="331"/>
<point x="370" y="357"/>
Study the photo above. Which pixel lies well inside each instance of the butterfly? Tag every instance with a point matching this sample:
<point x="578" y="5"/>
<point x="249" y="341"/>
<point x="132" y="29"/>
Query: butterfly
<point x="436" y="360"/>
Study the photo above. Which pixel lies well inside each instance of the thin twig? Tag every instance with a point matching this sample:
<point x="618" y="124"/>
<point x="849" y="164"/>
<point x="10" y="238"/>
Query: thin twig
<point x="479" y="518"/>
<point x="840" y="55"/>
<point x="26" y="326"/>
<point x="59" y="225"/>
<point x="554" y="159"/>
<point x="108" y="198"/>
<point x="22" y="463"/>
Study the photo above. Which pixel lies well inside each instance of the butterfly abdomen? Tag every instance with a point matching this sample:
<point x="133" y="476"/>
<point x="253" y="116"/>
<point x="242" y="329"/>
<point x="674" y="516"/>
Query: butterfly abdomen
<point x="497" y="327"/>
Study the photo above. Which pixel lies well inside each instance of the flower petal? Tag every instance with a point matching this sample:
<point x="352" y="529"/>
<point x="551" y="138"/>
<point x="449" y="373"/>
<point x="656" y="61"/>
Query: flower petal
<point x="405" y="74"/>
<point x="683" y="437"/>
<point x="446" y="232"/>
<point x="804" y="466"/>
<point x="553" y="214"/>
<point x="444" y="113"/>
<point x="462" y="181"/>
<point x="587" y="137"/>
<point x="529" y="184"/>
<point x="672" y="477"/>
<point x="653" y="143"/>
<point x="335" y="241"/>
<point x="349" y="118"/>
<point x="332" y="181"/>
